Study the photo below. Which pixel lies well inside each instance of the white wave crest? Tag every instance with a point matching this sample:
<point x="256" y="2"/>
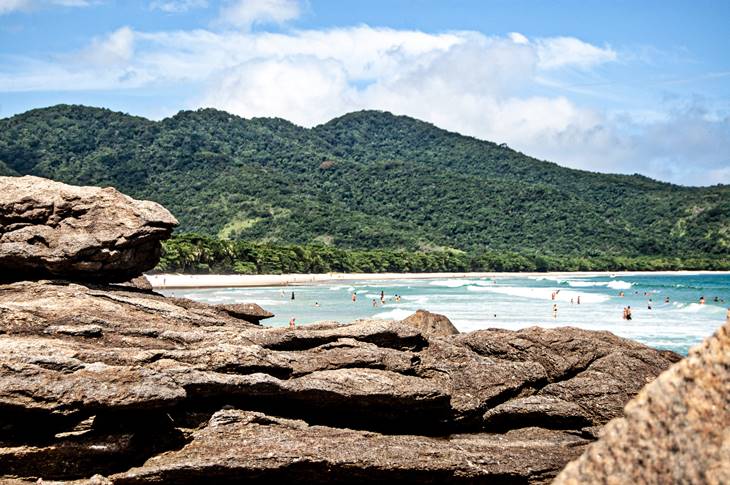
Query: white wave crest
<point x="542" y="293"/>
<point x="395" y="314"/>
<point x="619" y="285"/>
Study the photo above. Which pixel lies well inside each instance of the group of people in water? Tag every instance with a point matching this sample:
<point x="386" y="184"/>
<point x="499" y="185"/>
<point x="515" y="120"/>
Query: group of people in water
<point x="627" y="312"/>
<point x="395" y="298"/>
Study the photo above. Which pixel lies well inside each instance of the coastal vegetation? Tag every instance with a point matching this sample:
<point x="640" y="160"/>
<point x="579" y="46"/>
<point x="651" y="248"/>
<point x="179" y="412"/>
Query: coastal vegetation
<point x="192" y="253"/>
<point x="368" y="191"/>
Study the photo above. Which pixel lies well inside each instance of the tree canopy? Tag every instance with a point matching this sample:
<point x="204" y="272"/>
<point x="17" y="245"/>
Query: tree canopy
<point x="365" y="181"/>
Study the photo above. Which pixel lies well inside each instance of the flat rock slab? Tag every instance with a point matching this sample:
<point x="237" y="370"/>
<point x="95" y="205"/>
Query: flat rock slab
<point x="49" y="229"/>
<point x="239" y="446"/>
<point x="246" y="311"/>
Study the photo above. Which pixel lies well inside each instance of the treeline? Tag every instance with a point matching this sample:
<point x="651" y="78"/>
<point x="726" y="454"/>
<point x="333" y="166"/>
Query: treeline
<point x="197" y="254"/>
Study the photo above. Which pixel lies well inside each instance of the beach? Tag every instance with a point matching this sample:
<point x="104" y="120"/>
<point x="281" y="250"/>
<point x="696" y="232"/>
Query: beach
<point x="180" y="281"/>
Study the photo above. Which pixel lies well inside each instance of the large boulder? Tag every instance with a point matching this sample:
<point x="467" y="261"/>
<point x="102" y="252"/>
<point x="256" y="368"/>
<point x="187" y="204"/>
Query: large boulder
<point x="431" y="324"/>
<point x="112" y="380"/>
<point x="676" y="430"/>
<point x="49" y="229"/>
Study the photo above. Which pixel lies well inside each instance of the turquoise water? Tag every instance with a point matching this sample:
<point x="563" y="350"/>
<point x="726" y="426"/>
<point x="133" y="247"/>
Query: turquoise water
<point x="511" y="302"/>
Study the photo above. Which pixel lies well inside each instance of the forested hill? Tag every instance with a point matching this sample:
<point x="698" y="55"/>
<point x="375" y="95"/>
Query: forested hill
<point x="365" y="180"/>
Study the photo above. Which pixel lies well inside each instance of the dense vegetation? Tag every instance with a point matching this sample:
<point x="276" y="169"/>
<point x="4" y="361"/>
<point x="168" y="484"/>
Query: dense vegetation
<point x="192" y="253"/>
<point x="366" y="181"/>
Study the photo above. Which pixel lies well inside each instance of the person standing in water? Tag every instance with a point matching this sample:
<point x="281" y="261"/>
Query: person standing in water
<point x="354" y="297"/>
<point x="555" y="310"/>
<point x="578" y="300"/>
<point x="702" y="300"/>
<point x="628" y="313"/>
<point x="292" y="323"/>
<point x="292" y="295"/>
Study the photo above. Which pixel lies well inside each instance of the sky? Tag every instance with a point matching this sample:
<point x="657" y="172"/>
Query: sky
<point x="610" y="86"/>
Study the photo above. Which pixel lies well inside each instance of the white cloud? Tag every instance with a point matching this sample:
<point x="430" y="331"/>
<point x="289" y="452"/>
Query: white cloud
<point x="116" y="48"/>
<point x="177" y="6"/>
<point x="246" y="13"/>
<point x="557" y="52"/>
<point x="13" y="5"/>
<point x="463" y="81"/>
<point x="7" y="6"/>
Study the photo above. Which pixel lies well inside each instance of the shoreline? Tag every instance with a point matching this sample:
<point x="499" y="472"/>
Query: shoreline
<point x="166" y="281"/>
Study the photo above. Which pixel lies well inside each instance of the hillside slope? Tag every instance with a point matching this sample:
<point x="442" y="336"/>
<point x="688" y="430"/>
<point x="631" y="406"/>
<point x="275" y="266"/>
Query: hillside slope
<point x="365" y="180"/>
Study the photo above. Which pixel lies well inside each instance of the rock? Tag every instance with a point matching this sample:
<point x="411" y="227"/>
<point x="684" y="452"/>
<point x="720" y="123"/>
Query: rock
<point x="140" y="282"/>
<point x="431" y="324"/>
<point x="241" y="446"/>
<point x="109" y="380"/>
<point x="77" y="330"/>
<point x="595" y="370"/>
<point x="250" y="312"/>
<point x="50" y="229"/>
<point x="676" y="430"/>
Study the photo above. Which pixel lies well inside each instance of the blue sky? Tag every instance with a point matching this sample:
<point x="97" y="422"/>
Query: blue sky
<point x="630" y="87"/>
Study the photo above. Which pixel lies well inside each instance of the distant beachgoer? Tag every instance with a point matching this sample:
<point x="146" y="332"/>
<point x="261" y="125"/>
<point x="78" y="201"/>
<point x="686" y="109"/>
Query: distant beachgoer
<point x="354" y="297"/>
<point x="648" y="305"/>
<point x="555" y="310"/>
<point x="578" y="301"/>
<point x="571" y="301"/>
<point x="702" y="300"/>
<point x="621" y="294"/>
<point x="292" y="322"/>
<point x="628" y="313"/>
<point x="666" y="299"/>
<point x="552" y="296"/>
<point x="716" y="299"/>
<point x="375" y="303"/>
<point x="382" y="300"/>
<point x="623" y="317"/>
<point x="382" y="295"/>
<point x="316" y="303"/>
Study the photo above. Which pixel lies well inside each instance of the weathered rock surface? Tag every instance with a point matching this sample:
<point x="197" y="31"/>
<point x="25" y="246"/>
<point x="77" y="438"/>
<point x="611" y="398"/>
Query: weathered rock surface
<point x="123" y="383"/>
<point x="262" y="448"/>
<point x="676" y="430"/>
<point x="50" y="229"/>
<point x="251" y="312"/>
<point x="431" y="324"/>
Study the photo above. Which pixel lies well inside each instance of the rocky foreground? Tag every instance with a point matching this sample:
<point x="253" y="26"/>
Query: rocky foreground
<point x="107" y="383"/>
<point x="142" y="388"/>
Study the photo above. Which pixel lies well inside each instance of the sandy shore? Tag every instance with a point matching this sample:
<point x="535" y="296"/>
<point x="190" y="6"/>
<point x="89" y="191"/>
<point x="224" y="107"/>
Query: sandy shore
<point x="165" y="281"/>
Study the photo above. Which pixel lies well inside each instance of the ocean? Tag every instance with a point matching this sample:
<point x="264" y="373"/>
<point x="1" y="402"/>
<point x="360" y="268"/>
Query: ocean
<point x="511" y="302"/>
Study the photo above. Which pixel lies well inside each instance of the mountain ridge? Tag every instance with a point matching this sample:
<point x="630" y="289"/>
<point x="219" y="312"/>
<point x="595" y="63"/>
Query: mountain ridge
<point x="367" y="179"/>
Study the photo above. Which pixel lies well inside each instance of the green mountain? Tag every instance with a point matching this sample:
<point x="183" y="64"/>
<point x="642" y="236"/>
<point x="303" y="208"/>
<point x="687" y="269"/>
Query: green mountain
<point x="365" y="180"/>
